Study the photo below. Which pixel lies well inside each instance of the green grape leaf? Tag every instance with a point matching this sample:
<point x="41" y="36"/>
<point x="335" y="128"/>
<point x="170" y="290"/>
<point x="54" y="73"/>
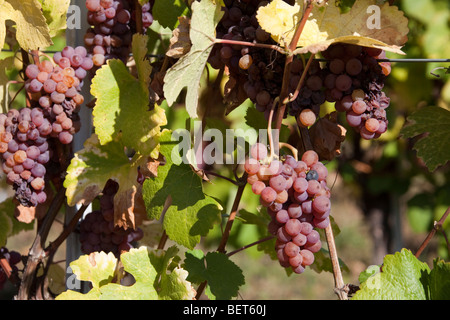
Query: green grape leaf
<point x="158" y="39"/>
<point x="250" y="218"/>
<point x="98" y="268"/>
<point x="385" y="27"/>
<point x="401" y="278"/>
<point x="139" y="49"/>
<point x="438" y="281"/>
<point x="155" y="277"/>
<point x="370" y="271"/>
<point x="434" y="124"/>
<point x="188" y="216"/>
<point x="137" y="263"/>
<point x="256" y="120"/>
<point x="94" y="165"/>
<point x="166" y="12"/>
<point x="32" y="29"/>
<point x="187" y="71"/>
<point x="122" y="107"/>
<point x="224" y="277"/>
<point x="55" y="12"/>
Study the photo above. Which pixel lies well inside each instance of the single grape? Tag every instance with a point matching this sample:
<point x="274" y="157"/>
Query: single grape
<point x="258" y="151"/>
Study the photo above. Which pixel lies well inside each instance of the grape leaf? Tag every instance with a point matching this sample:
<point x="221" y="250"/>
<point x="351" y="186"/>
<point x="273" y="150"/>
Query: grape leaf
<point x="93" y="166"/>
<point x="189" y="215"/>
<point x="401" y="278"/>
<point x="159" y="38"/>
<point x="224" y="277"/>
<point x="168" y="11"/>
<point x="180" y="43"/>
<point x="32" y="29"/>
<point x="187" y="71"/>
<point x="97" y="268"/>
<point x="434" y="146"/>
<point x="139" y="49"/>
<point x="122" y="107"/>
<point x="370" y="271"/>
<point x="326" y="25"/>
<point x="155" y="277"/>
<point x="438" y="281"/>
<point x="55" y="13"/>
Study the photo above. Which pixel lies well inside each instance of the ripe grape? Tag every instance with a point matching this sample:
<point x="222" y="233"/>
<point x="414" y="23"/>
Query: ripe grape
<point x="307" y="118"/>
<point x="258" y="151"/>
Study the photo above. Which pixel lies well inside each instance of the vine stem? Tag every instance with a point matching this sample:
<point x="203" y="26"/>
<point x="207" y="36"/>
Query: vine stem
<point x="301" y="82"/>
<point x="339" y="285"/>
<point x="37" y="253"/>
<point x="139" y="24"/>
<point x="437" y="226"/>
<point x="251" y="44"/>
<point x="164" y="236"/>
<point x="234" y="210"/>
<point x="207" y="172"/>
<point x="289" y="59"/>
<point x="250" y="245"/>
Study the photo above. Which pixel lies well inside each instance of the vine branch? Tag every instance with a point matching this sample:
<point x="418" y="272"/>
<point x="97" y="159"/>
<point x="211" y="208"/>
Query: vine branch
<point x="37" y="253"/>
<point x="437" y="226"/>
<point x="289" y="59"/>
<point x="250" y="245"/>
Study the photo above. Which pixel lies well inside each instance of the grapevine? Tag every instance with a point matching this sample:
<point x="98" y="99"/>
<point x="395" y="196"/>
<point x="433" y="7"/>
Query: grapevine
<point x="166" y="184"/>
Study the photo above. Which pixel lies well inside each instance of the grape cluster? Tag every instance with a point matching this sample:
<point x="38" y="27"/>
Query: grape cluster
<point x="258" y="71"/>
<point x="353" y="78"/>
<point x="97" y="229"/>
<point x="354" y="81"/>
<point x="112" y="28"/>
<point x="54" y="89"/>
<point x="13" y="258"/>
<point x="297" y="198"/>
<point x="25" y="152"/>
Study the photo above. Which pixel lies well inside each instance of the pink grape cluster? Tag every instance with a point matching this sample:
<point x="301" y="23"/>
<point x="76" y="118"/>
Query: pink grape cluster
<point x="97" y="229"/>
<point x="54" y="89"/>
<point x="112" y="28"/>
<point x="354" y="81"/>
<point x="297" y="198"/>
<point x="25" y="152"/>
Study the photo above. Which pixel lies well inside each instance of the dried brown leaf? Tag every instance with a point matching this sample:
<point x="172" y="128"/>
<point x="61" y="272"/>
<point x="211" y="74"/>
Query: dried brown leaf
<point x="180" y="43"/>
<point x="326" y="136"/>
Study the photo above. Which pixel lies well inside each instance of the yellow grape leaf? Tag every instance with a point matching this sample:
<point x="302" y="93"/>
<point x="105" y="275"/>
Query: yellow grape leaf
<point x="32" y="29"/>
<point x="139" y="49"/>
<point x="366" y="24"/>
<point x="55" y="12"/>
